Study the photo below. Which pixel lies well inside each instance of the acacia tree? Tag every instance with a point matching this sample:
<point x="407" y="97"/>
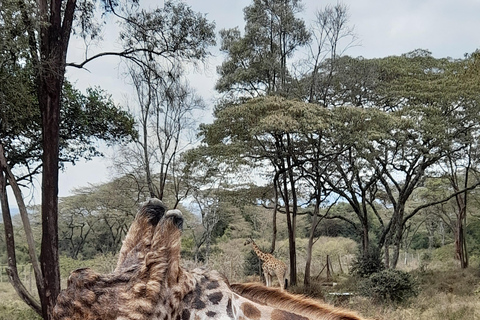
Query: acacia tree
<point x="46" y="26"/>
<point x="96" y="218"/>
<point x="433" y="106"/>
<point x="257" y="64"/>
<point x="265" y="131"/>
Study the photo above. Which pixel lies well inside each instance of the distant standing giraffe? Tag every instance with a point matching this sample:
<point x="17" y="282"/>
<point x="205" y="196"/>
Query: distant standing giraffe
<point x="271" y="266"/>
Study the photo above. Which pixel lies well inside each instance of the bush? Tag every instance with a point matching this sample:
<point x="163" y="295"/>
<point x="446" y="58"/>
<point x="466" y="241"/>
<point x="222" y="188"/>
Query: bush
<point x="253" y="265"/>
<point x="389" y="286"/>
<point x="368" y="263"/>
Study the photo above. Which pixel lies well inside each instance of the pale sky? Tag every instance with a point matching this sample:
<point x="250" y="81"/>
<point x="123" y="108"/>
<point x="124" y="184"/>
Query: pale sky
<point x="447" y="28"/>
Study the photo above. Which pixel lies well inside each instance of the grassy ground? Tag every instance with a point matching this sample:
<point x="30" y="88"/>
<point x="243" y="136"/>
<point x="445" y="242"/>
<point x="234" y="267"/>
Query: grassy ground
<point x="445" y="292"/>
<point x="11" y="307"/>
<point x="446" y="295"/>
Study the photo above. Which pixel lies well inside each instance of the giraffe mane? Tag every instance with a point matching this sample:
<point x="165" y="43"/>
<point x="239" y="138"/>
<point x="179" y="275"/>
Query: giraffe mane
<point x="295" y="303"/>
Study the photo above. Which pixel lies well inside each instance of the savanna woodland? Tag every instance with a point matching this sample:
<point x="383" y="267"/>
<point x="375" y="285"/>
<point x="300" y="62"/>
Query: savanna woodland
<point x="361" y="174"/>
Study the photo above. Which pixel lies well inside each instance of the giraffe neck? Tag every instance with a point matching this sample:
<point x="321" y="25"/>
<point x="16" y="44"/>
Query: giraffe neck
<point x="262" y="255"/>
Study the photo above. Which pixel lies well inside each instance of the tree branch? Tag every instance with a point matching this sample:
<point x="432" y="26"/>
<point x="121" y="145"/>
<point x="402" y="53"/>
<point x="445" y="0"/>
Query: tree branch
<point x="440" y="201"/>
<point x="10" y="241"/>
<point x="124" y="54"/>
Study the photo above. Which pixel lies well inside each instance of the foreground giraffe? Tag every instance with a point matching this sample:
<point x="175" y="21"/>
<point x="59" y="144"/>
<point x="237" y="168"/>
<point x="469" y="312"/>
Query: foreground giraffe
<point x="271" y="266"/>
<point x="149" y="284"/>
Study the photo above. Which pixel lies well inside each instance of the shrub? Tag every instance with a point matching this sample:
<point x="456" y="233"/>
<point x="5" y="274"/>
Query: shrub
<point x="368" y="263"/>
<point x="389" y="286"/>
<point x="253" y="265"/>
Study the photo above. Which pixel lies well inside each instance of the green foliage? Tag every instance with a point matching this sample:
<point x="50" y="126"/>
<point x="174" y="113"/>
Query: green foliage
<point x="257" y="62"/>
<point x="253" y="265"/>
<point x="419" y="241"/>
<point x="87" y="118"/>
<point x="368" y="263"/>
<point x="174" y="31"/>
<point x="389" y="285"/>
<point x="473" y="237"/>
<point x="17" y="311"/>
<point x="444" y="253"/>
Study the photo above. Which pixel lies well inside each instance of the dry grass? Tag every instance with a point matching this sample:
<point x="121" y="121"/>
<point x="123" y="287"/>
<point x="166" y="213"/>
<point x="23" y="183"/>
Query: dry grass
<point x="445" y="291"/>
<point x="446" y="295"/>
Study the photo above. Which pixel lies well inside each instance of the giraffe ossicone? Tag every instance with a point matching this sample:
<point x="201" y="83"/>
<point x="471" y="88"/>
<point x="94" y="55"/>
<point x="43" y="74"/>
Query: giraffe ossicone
<point x="149" y="283"/>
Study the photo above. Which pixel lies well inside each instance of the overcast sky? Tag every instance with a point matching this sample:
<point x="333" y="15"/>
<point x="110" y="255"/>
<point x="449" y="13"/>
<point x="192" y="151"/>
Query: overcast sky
<point x="447" y="28"/>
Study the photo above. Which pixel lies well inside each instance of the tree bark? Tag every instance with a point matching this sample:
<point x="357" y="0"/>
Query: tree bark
<point x="55" y="28"/>
<point x="274" y="217"/>
<point x="308" y="263"/>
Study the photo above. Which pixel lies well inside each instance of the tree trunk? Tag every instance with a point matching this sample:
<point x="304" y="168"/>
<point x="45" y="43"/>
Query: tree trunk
<point x="460" y="243"/>
<point x="54" y="39"/>
<point x="291" y="233"/>
<point x="49" y="261"/>
<point x="293" y="229"/>
<point x="308" y="263"/>
<point x="397" y="242"/>
<point x="365" y="237"/>
<point x="274" y="218"/>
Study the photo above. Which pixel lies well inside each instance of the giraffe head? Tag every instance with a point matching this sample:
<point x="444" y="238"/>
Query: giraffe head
<point x="248" y="241"/>
<point x="148" y="268"/>
<point x="139" y="238"/>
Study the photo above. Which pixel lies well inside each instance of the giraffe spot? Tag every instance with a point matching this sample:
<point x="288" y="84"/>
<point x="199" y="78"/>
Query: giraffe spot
<point x="185" y="314"/>
<point x="198" y="289"/>
<point x="198" y="304"/>
<point x="211" y="314"/>
<point x="215" y="298"/>
<point x="229" y="308"/>
<point x="250" y="311"/>
<point x="188" y="298"/>
<point x="278" y="314"/>
<point x="212" y="285"/>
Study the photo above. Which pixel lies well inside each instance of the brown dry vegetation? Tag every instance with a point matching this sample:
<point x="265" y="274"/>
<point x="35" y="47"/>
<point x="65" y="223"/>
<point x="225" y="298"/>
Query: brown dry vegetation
<point x="449" y="295"/>
<point x="445" y="291"/>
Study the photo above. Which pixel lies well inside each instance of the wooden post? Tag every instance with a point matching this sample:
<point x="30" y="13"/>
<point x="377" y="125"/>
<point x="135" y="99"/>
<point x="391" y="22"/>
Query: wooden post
<point x="328" y="268"/>
<point x="340" y="264"/>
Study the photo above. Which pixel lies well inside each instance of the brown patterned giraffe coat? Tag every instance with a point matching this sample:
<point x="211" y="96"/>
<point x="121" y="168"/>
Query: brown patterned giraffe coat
<point x="150" y="284"/>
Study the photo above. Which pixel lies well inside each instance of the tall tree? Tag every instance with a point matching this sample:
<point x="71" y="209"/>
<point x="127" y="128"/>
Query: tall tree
<point x="257" y="63"/>
<point x="46" y="26"/>
<point x="166" y="106"/>
<point x="265" y="131"/>
<point x="88" y="118"/>
<point x="332" y="36"/>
